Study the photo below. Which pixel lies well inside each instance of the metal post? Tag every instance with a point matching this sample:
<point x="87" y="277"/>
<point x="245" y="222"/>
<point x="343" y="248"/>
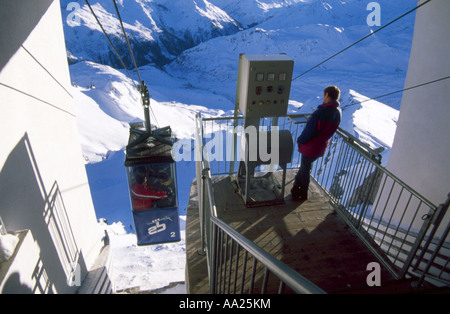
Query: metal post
<point x="145" y="100"/>
<point x="434" y="217"/>
<point x="3" y="230"/>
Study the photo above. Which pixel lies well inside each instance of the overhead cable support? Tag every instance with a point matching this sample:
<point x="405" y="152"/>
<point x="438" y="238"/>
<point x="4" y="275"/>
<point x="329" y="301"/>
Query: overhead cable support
<point x="364" y="38"/>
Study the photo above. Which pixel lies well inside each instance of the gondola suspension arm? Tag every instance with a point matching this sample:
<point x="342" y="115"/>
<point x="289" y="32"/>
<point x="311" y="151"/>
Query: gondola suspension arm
<point x="145" y="101"/>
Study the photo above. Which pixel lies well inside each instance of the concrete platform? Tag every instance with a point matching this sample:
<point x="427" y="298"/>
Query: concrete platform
<point x="309" y="237"/>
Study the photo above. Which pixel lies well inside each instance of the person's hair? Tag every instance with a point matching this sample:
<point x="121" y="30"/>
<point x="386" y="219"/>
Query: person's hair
<point x="333" y="92"/>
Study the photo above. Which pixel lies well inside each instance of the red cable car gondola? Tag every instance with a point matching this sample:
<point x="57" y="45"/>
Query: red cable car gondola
<point x="151" y="169"/>
<point x="151" y="172"/>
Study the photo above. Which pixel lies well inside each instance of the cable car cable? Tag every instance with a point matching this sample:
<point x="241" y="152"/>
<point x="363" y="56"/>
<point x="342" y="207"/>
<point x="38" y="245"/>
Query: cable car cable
<point x="120" y="58"/>
<point x="111" y="44"/>
<point x="402" y="90"/>
<point x="128" y="42"/>
<point x="357" y="42"/>
<point x="142" y="89"/>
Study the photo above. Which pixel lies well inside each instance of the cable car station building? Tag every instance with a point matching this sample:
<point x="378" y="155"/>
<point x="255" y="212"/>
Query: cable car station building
<point x="45" y="199"/>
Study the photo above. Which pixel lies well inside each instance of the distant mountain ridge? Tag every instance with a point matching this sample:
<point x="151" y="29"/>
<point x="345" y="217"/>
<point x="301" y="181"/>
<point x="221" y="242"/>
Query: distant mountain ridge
<point x="158" y="30"/>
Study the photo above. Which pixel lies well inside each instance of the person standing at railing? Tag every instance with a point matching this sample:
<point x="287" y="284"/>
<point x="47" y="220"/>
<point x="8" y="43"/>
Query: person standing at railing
<point x="314" y="140"/>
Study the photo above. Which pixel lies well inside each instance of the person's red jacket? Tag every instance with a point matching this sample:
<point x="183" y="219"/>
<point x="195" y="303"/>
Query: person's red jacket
<point x="321" y="126"/>
<point x="142" y="197"/>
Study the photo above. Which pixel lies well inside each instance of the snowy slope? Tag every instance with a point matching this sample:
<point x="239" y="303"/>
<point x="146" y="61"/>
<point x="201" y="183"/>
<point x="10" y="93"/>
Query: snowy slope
<point x="202" y="79"/>
<point x="148" y="267"/>
<point x="373" y="122"/>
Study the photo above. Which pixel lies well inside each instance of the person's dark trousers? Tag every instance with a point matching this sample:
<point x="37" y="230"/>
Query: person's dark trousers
<point x="301" y="183"/>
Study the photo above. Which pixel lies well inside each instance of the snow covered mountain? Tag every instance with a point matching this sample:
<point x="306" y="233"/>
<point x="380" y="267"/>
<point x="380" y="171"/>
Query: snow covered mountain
<point x="188" y="52"/>
<point x="161" y="30"/>
<point x="309" y="32"/>
<point x="158" y="30"/>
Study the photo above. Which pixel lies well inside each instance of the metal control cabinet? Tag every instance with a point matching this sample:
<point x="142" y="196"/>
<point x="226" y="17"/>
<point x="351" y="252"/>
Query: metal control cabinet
<point x="264" y="85"/>
<point x="263" y="89"/>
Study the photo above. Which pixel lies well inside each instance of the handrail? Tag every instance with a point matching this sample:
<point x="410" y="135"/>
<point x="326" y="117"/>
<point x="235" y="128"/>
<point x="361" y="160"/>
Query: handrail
<point x="345" y="134"/>
<point x="373" y="155"/>
<point x="294" y="280"/>
<point x="366" y="148"/>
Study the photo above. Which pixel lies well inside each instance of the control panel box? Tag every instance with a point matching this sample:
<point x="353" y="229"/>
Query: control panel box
<point x="264" y="85"/>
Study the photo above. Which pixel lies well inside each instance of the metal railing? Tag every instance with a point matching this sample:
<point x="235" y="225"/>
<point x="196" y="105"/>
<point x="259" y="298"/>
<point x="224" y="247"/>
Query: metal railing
<point x="406" y="232"/>
<point x="228" y="252"/>
<point x="393" y="221"/>
<point x="231" y="268"/>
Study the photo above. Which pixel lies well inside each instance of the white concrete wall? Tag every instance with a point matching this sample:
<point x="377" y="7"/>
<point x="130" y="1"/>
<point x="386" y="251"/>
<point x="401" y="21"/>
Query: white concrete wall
<point x="43" y="182"/>
<point x="421" y="151"/>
